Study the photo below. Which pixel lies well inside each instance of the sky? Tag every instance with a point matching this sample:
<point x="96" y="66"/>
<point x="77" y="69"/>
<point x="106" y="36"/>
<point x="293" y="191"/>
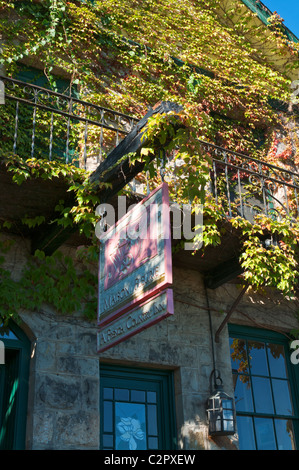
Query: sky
<point x="288" y="10"/>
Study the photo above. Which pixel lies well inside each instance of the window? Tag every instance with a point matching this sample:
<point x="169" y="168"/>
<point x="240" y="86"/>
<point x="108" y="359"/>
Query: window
<point x="265" y="384"/>
<point x="37" y="77"/>
<point x="14" y="389"/>
<point x="137" y="411"/>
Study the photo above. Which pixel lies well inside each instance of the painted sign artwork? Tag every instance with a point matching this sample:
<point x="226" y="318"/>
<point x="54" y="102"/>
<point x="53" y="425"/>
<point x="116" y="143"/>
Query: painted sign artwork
<point x="133" y="321"/>
<point x="135" y="257"/>
<point x="131" y="247"/>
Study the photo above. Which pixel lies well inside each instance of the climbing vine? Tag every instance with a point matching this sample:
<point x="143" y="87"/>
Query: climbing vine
<point x="128" y="55"/>
<point x="47" y="280"/>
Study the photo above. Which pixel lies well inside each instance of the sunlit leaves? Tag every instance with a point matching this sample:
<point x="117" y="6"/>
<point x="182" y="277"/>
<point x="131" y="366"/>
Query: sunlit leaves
<point x="45" y="281"/>
<point x="128" y="55"/>
<point x="274" y="264"/>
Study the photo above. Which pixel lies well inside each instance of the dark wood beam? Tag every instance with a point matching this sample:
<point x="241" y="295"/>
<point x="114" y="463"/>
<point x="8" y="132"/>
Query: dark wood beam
<point x="115" y="169"/>
<point x="230" y="312"/>
<point x="119" y="171"/>
<point x="223" y="273"/>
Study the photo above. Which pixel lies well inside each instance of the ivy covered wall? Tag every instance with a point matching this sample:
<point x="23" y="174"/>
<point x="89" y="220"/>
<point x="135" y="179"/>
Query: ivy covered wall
<point x="207" y="56"/>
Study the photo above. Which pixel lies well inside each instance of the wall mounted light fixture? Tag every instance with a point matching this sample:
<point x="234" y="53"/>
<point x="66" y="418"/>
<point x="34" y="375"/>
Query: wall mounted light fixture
<point x="220" y="410"/>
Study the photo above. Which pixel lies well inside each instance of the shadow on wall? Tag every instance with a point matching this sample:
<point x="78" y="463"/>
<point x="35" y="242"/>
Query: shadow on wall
<point x="194" y="435"/>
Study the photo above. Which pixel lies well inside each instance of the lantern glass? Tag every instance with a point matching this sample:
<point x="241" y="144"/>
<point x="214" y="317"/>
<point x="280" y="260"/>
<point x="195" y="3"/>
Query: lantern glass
<point x="221" y="414"/>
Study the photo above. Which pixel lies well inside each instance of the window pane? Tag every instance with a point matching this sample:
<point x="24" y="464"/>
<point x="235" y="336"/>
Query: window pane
<point x="264" y="432"/>
<point x="276" y="357"/>
<point x="108" y="422"/>
<point x="262" y="395"/>
<point x="228" y="420"/>
<point x="258" y="359"/>
<point x="243" y="394"/>
<point x="138" y="395"/>
<point x="121" y="394"/>
<point x="6" y="333"/>
<point x="108" y="393"/>
<point x="108" y="440"/>
<point x="153" y="443"/>
<point x="152" y="420"/>
<point x="227" y="404"/>
<point x="282" y="398"/>
<point x="246" y="433"/>
<point x="130" y="426"/>
<point x="151" y="397"/>
<point x="285" y="434"/>
<point x="239" y="358"/>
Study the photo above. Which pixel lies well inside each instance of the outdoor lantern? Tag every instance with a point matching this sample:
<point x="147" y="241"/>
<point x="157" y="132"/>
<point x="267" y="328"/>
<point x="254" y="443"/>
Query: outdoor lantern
<point x="221" y="413"/>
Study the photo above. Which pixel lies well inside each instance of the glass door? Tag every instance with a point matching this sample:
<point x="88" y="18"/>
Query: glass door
<point x="137" y="409"/>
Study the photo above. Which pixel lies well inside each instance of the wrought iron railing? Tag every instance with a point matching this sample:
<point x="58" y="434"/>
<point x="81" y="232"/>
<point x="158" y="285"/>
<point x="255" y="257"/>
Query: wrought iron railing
<point x="37" y="122"/>
<point x="248" y="186"/>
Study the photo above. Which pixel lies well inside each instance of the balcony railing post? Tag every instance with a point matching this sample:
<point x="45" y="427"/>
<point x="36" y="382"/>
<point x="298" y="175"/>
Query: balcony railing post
<point x="51" y="137"/>
<point x="268" y="180"/>
<point x="240" y="194"/>
<point x="33" y="123"/>
<point x="227" y="186"/>
<point x="16" y="128"/>
<point x="68" y="132"/>
<point x="287" y="199"/>
<point x="296" y="195"/>
<point x="54" y="108"/>
<point x="85" y="144"/>
<point x="215" y="181"/>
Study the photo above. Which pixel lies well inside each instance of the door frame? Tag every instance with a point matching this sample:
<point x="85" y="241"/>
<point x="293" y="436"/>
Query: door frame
<point x="134" y="375"/>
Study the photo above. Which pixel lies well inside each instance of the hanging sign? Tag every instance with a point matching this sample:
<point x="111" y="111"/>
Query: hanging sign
<point x="135" y="257"/>
<point x="133" y="321"/>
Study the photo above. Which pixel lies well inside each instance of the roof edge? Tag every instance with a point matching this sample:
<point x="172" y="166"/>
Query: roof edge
<point x="263" y="12"/>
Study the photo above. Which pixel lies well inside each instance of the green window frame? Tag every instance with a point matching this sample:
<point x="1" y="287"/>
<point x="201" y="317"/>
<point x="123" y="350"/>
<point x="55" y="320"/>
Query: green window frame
<point x="14" y="380"/>
<point x="266" y="389"/>
<point x="28" y="74"/>
<point x="136" y="409"/>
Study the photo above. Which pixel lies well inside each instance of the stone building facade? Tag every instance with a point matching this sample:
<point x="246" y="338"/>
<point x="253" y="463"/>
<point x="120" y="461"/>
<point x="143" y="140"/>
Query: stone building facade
<point x="151" y="390"/>
<point x="65" y="398"/>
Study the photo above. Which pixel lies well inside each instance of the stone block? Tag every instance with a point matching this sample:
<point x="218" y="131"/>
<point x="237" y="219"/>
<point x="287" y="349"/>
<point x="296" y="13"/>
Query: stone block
<point x="43" y="428"/>
<point x="45" y="356"/>
<point x="90" y="394"/>
<point x="58" y="392"/>
<point x="79" y="429"/>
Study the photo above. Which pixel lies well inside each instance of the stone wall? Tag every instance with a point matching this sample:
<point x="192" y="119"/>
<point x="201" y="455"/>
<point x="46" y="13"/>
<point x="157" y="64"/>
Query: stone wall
<point x="183" y="343"/>
<point x="65" y="404"/>
<point x="64" y="380"/>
